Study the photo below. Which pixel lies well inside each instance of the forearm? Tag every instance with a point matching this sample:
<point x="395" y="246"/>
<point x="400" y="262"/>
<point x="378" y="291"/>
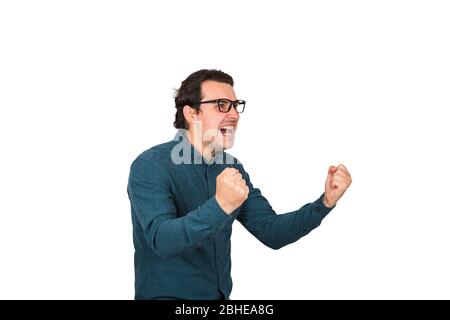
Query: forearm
<point x="276" y="231"/>
<point x="171" y="236"/>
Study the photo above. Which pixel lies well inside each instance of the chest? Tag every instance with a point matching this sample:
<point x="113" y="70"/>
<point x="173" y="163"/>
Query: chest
<point x="193" y="185"/>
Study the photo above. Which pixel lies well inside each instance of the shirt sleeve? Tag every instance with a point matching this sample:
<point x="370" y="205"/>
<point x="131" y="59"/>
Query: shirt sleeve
<point x="149" y="190"/>
<point x="278" y="230"/>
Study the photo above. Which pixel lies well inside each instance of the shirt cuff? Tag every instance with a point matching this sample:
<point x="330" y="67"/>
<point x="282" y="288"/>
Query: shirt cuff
<point x="214" y="205"/>
<point x="320" y="208"/>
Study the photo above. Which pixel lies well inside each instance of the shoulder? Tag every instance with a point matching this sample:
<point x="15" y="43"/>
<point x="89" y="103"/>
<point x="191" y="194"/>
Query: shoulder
<point x="154" y="159"/>
<point x="160" y="152"/>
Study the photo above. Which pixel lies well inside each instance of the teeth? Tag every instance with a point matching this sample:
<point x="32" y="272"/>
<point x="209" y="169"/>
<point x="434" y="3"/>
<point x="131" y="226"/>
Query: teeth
<point x="229" y="129"/>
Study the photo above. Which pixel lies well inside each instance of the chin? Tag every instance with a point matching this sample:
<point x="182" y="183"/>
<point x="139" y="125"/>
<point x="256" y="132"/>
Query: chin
<point x="228" y="147"/>
<point x="224" y="145"/>
<point x="228" y="143"/>
<point x="224" y="142"/>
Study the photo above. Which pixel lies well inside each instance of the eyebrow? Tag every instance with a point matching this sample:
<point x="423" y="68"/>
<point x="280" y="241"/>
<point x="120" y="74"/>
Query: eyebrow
<point x="204" y="98"/>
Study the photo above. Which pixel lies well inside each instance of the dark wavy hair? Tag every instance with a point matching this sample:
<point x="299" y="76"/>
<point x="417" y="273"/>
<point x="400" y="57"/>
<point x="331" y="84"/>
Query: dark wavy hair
<point x="190" y="92"/>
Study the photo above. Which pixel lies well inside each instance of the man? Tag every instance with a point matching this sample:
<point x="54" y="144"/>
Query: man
<point x="185" y="195"/>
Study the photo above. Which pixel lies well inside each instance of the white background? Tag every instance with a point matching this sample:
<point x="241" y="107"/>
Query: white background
<point x="85" y="86"/>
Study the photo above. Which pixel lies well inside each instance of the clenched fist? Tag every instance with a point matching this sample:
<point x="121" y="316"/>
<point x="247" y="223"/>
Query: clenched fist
<point x="338" y="180"/>
<point x="231" y="190"/>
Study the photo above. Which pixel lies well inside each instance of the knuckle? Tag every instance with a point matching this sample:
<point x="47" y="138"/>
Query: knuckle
<point x="228" y="171"/>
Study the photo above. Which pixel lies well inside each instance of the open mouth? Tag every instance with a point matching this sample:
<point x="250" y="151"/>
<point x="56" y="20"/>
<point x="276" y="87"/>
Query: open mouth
<point x="227" y="130"/>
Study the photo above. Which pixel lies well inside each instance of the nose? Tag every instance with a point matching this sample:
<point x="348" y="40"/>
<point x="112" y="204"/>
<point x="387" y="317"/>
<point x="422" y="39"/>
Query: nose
<point x="233" y="113"/>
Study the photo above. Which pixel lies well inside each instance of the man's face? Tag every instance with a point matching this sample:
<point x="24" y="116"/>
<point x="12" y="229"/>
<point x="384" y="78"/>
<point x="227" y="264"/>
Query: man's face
<point x="217" y="126"/>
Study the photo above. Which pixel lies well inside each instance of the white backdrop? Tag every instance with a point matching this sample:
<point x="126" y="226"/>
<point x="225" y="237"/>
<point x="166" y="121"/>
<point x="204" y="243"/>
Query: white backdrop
<point x="85" y="86"/>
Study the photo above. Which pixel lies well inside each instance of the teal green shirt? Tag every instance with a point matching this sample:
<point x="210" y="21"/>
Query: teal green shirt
<point x="182" y="236"/>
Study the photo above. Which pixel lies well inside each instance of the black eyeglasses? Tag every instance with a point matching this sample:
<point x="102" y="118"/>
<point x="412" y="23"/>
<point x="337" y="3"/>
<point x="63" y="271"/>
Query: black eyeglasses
<point x="224" y="105"/>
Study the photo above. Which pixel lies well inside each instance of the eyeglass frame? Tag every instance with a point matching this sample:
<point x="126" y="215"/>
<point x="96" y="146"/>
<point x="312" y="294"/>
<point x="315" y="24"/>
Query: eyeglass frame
<point x="234" y="104"/>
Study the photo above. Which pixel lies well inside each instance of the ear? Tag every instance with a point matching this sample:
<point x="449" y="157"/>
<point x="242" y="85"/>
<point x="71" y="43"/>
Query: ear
<point x="190" y="114"/>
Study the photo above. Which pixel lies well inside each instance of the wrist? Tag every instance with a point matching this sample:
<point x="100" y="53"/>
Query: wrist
<point x="327" y="203"/>
<point x="223" y="205"/>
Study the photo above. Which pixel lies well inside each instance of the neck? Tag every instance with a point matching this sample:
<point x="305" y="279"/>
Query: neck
<point x="206" y="150"/>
